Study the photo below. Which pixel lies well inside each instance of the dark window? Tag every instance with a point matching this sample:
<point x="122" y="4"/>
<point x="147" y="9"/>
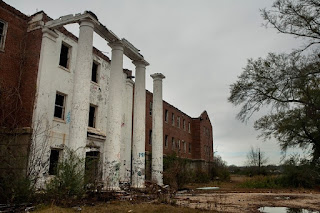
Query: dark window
<point x="189" y="147"/>
<point x="94" y="76"/>
<point x="59" y="107"/>
<point x="178" y="122"/>
<point x="172" y="119"/>
<point x="92" y="116"/>
<point x="184" y="125"/>
<point x="150" y="137"/>
<point x="54" y="159"/>
<point x="64" y="56"/>
<point x="166" y="113"/>
<point x="3" y="29"/>
<point x="150" y="108"/>
<point x="166" y="141"/>
<point x="173" y="144"/>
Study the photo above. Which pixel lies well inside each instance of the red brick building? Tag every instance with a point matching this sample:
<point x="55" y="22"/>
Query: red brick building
<point x="187" y="137"/>
<point x="20" y="48"/>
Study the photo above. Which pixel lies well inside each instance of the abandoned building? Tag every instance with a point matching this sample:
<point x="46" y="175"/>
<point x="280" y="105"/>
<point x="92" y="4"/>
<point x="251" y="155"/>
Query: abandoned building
<point x="59" y="92"/>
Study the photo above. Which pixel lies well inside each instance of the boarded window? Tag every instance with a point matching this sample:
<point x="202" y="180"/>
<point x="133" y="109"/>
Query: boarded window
<point x="59" y="106"/>
<point x="94" y="76"/>
<point x="92" y="116"/>
<point x="64" y="55"/>
<point x="54" y="159"/>
<point x="3" y="31"/>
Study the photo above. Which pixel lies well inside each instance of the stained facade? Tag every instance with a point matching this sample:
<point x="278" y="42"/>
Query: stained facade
<point x="65" y="88"/>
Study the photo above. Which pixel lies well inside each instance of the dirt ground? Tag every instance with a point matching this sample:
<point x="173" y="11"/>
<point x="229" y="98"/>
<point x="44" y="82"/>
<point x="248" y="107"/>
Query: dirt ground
<point x="230" y="198"/>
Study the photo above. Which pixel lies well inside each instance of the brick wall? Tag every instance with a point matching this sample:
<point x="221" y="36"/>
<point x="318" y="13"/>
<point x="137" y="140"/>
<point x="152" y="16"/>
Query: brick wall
<point x="200" y="140"/>
<point x="19" y="60"/>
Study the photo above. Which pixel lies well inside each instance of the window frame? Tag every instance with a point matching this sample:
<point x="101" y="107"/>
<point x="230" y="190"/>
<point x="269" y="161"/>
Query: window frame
<point x="178" y="121"/>
<point x="150" y="108"/>
<point x="166" y="141"/>
<point x="94" y="116"/>
<point x="63" y="107"/>
<point x="166" y="115"/>
<point x="53" y="168"/>
<point x="97" y="72"/>
<point x="67" y="67"/>
<point x="173" y="121"/>
<point x="173" y="144"/>
<point x="189" y="127"/>
<point x="3" y="36"/>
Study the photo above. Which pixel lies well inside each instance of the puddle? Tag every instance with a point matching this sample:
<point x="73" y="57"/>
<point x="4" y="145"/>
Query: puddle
<point x="285" y="210"/>
<point x="209" y="188"/>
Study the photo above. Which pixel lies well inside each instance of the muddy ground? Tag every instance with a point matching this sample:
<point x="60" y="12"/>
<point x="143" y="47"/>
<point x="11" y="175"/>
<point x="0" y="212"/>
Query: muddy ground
<point x="230" y="198"/>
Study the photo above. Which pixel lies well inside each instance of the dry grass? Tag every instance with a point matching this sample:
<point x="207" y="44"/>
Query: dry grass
<point x="120" y="207"/>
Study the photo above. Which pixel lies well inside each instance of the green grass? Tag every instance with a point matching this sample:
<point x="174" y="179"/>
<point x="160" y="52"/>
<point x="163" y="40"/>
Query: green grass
<point x="260" y="182"/>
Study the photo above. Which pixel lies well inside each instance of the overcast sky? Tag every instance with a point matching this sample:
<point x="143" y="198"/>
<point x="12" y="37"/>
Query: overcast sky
<point x="201" y="46"/>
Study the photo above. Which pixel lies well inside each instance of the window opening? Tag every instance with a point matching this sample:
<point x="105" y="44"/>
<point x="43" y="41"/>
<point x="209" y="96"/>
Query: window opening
<point x="92" y="116"/>
<point x="59" y="107"/>
<point x="54" y="159"/>
<point x="64" y="56"/>
<point x="94" y="76"/>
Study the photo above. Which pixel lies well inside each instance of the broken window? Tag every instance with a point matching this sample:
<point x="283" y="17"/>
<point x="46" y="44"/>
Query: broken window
<point x="173" y="144"/>
<point x="189" y="147"/>
<point x="94" y="75"/>
<point x="166" y="115"/>
<point x="92" y="116"/>
<point x="172" y="119"/>
<point x="166" y="141"/>
<point x="59" y="107"/>
<point x="150" y="137"/>
<point x="3" y="32"/>
<point x="65" y="55"/>
<point x="54" y="159"/>
<point x="150" y="108"/>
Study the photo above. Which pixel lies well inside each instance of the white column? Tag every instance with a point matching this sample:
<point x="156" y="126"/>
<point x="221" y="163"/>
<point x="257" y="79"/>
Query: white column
<point x="111" y="162"/>
<point x="125" y="170"/>
<point x="157" y="129"/>
<point x="81" y="89"/>
<point x="139" y="126"/>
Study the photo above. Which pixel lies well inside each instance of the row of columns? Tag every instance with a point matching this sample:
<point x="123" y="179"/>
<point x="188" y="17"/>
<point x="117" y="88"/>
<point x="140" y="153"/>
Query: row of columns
<point x="116" y="154"/>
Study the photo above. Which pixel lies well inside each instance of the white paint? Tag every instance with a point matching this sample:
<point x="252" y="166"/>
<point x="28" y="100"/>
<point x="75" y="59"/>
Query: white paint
<point x="81" y="89"/>
<point x="111" y="160"/>
<point x="157" y="130"/>
<point x="125" y="169"/>
<point x="49" y="132"/>
<point x="139" y="120"/>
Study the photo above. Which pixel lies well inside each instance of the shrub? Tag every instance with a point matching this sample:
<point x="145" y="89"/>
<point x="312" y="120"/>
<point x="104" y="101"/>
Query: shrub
<point x="262" y="182"/>
<point x="15" y="189"/>
<point x="68" y="185"/>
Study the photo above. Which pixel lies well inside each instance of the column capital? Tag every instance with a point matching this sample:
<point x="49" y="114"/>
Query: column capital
<point x="49" y="33"/>
<point x="157" y="76"/>
<point x="140" y="63"/>
<point x="116" y="45"/>
<point x="130" y="82"/>
<point x="87" y="22"/>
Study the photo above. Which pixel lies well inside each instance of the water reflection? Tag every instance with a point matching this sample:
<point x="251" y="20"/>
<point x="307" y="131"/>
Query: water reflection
<point x="285" y="210"/>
